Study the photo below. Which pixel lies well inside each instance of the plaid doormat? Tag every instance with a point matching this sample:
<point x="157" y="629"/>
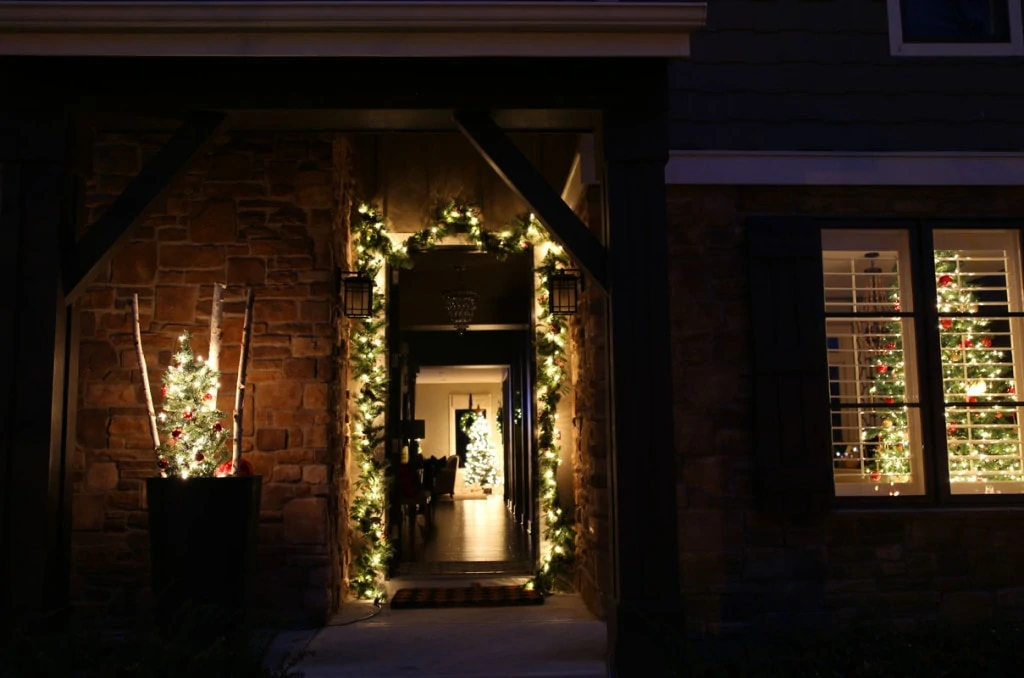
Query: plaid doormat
<point x="470" y="596"/>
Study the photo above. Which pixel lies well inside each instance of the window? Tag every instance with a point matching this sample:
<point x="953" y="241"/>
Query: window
<point x="886" y="430"/>
<point x="955" y="27"/>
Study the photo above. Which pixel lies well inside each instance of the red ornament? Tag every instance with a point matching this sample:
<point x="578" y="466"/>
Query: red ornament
<point x="217" y="427"/>
<point x="972" y="399"/>
<point x="890" y="401"/>
<point x="876" y="475"/>
<point x="881" y="369"/>
<point x="1011" y="390"/>
<point x="891" y="345"/>
<point x="966" y="343"/>
<point x="899" y="446"/>
<point x="188" y="415"/>
<point x="161" y="463"/>
<point x="207" y="397"/>
<point x="897" y="307"/>
<point x="951" y="429"/>
<point x="986" y="342"/>
<point x="945" y="280"/>
<point x="199" y="456"/>
<point x="244" y="468"/>
<point x="175" y="433"/>
<point x="163" y="391"/>
<point x="999" y="415"/>
<point x="946" y="323"/>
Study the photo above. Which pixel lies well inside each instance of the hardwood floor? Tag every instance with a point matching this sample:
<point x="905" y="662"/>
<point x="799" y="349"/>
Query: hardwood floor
<point x="467" y="535"/>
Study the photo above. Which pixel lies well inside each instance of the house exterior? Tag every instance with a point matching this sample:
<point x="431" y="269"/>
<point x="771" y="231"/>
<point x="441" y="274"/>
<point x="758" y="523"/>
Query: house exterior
<point x="730" y="401"/>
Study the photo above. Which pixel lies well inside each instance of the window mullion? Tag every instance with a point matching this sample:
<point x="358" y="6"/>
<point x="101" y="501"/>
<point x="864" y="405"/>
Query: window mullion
<point x="929" y="358"/>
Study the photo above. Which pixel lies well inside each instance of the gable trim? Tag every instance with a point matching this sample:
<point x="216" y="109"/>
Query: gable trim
<point x="333" y="28"/>
<point x="796" y="168"/>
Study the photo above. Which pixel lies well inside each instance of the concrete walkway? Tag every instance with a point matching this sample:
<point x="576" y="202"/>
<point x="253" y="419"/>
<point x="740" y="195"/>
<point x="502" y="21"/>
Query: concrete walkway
<point x="559" y="639"/>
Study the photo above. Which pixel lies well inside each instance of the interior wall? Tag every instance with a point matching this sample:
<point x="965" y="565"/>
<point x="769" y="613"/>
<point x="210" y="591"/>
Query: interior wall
<point x="433" y="405"/>
<point x="409" y="174"/>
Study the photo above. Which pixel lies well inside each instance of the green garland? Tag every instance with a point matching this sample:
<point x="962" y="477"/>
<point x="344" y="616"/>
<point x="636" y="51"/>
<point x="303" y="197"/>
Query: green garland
<point x="368" y="369"/>
<point x="373" y="249"/>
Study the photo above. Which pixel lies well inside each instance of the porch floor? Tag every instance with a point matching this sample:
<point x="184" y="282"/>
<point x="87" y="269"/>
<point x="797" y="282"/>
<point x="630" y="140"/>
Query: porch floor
<point x="557" y="639"/>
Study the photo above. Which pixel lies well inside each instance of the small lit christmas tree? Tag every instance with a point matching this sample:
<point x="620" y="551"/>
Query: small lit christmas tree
<point x="193" y="440"/>
<point x="479" y="452"/>
<point x="982" y="439"/>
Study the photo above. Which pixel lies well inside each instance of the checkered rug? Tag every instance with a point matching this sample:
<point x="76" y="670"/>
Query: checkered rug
<point x="470" y="596"/>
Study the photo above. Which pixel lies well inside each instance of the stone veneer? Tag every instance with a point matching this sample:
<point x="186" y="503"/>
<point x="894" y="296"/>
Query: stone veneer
<point x="257" y="211"/>
<point x="740" y="567"/>
<point x="588" y="375"/>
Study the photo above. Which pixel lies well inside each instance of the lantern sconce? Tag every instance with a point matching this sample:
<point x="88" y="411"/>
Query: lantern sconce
<point x="564" y="287"/>
<point x="357" y="299"/>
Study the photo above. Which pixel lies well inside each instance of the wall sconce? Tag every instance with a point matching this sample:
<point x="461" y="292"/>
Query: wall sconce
<point x="563" y="291"/>
<point x="357" y="300"/>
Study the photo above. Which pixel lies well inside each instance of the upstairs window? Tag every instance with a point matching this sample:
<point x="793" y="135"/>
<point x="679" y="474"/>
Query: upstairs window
<point x="955" y="27"/>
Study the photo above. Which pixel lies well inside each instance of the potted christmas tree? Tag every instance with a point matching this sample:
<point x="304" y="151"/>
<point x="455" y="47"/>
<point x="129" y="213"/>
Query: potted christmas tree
<point x="204" y="502"/>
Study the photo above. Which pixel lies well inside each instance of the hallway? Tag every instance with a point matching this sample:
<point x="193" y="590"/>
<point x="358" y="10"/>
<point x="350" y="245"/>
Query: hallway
<point x="471" y="534"/>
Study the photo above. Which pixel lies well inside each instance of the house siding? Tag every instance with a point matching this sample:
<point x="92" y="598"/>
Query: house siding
<point x="742" y="568"/>
<point x="818" y="76"/>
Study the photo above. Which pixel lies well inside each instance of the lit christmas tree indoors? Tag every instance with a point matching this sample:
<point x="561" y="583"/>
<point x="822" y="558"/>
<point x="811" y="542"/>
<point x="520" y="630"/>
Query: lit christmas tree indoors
<point x="193" y="441"/>
<point x="977" y="375"/>
<point x="479" y="452"/>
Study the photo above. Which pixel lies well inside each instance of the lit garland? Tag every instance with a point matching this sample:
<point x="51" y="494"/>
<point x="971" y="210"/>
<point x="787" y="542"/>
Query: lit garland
<point x="367" y="354"/>
<point x="373" y="249"/>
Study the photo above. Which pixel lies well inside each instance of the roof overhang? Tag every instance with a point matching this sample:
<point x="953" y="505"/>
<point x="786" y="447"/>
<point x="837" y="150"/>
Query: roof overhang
<point x="349" y="29"/>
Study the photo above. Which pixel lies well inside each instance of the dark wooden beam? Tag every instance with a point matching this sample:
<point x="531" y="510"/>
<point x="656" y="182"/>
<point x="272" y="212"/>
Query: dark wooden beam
<point x="524" y="179"/>
<point x="644" y="616"/>
<point x="97" y="246"/>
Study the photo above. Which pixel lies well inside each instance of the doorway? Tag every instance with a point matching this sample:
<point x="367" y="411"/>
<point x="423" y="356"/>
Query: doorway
<point x="473" y="461"/>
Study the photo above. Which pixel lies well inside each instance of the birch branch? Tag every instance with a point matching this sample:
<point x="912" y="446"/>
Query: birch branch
<point x="216" y="335"/>
<point x="243" y="364"/>
<point x="145" y="373"/>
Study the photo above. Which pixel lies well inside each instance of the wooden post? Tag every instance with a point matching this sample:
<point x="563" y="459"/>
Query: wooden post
<point x="243" y="364"/>
<point x="145" y="373"/>
<point x="645" y="612"/>
<point x="216" y="335"/>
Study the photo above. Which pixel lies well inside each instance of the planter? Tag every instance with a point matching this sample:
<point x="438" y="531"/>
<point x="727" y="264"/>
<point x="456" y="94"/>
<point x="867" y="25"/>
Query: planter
<point x="202" y="541"/>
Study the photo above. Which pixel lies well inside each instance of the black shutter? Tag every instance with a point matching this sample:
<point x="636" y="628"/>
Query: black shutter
<point x="792" y="436"/>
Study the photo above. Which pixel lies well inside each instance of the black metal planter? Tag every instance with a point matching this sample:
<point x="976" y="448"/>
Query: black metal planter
<point x="202" y="542"/>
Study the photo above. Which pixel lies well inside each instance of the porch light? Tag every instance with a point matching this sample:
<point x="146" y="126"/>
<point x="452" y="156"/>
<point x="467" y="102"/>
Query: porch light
<point x="563" y="292"/>
<point x="357" y="300"/>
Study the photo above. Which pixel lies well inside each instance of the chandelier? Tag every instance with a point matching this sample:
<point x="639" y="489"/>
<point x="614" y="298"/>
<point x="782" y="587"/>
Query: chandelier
<point x="460" y="303"/>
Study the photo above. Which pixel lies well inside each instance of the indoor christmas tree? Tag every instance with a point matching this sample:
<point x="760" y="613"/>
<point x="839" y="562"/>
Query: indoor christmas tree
<point x="193" y="441"/>
<point x="981" y="434"/>
<point x="479" y="452"/>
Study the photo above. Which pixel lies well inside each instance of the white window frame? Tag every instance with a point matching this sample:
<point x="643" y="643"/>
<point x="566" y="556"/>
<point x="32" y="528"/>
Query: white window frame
<point x="835" y="243"/>
<point x="954" y="49"/>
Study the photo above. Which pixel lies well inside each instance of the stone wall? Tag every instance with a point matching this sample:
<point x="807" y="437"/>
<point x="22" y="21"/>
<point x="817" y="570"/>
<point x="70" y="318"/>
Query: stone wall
<point x="256" y="211"/>
<point x="589" y="381"/>
<point x="740" y="567"/>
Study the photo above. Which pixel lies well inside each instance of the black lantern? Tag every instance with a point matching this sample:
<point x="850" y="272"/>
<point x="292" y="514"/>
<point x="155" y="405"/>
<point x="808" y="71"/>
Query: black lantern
<point x="563" y="292"/>
<point x="414" y="429"/>
<point x="358" y="296"/>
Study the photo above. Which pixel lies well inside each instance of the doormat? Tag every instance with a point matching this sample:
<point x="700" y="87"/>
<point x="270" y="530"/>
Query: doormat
<point x="470" y="596"/>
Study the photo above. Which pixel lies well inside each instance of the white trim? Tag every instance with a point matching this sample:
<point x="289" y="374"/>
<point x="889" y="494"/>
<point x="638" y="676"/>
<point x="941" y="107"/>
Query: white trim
<point x="356" y="29"/>
<point x="952" y="49"/>
<point x="785" y="168"/>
